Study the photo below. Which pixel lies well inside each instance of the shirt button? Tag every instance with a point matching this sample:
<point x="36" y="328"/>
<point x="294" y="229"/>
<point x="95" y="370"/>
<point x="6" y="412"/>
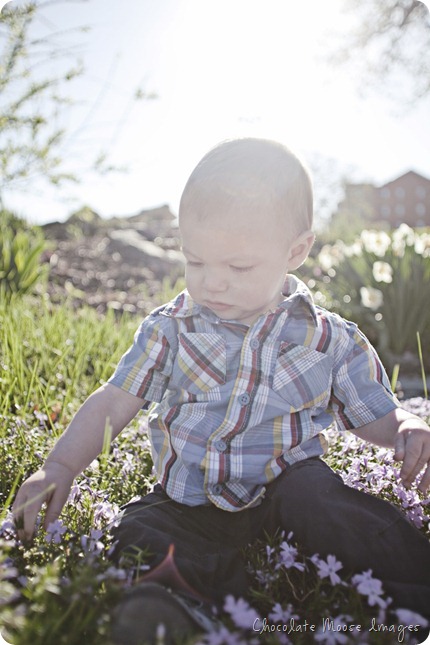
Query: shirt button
<point x="244" y="398"/>
<point x="221" y="445"/>
<point x="255" y="343"/>
<point x="217" y="489"/>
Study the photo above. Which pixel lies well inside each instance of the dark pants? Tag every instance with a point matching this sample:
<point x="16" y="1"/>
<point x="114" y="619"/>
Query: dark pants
<point x="309" y="499"/>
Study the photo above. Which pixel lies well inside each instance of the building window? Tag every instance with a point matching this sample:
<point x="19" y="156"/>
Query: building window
<point x="400" y="209"/>
<point x="420" y="209"/>
<point x="420" y="192"/>
<point x="385" y="193"/>
<point x="385" y="211"/>
<point x="399" y="192"/>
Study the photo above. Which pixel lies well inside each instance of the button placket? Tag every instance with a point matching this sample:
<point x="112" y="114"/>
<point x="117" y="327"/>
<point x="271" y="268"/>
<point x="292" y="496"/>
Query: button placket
<point x="220" y="449"/>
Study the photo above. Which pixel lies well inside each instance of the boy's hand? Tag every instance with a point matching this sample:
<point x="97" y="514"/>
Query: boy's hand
<point x="412" y="446"/>
<point x="50" y="484"/>
<point x="409" y="435"/>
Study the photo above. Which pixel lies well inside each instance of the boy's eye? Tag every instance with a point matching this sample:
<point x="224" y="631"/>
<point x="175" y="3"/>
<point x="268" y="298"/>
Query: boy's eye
<point x="241" y="269"/>
<point x="194" y="263"/>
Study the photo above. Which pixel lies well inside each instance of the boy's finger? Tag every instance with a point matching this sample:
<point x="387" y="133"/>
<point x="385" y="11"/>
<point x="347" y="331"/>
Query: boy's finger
<point x="26" y="508"/>
<point x="54" y="508"/>
<point x="415" y="460"/>
<point x="424" y="484"/>
<point x="399" y="447"/>
<point x="25" y="513"/>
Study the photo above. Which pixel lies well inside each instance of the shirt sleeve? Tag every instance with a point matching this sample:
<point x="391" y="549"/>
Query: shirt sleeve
<point x="144" y="370"/>
<point x="361" y="391"/>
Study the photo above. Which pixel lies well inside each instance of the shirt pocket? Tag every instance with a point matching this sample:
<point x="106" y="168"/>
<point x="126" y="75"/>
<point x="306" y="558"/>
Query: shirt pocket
<point x="200" y="363"/>
<point x="302" y="376"/>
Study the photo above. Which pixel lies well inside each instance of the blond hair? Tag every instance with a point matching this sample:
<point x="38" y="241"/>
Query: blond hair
<point x="243" y="172"/>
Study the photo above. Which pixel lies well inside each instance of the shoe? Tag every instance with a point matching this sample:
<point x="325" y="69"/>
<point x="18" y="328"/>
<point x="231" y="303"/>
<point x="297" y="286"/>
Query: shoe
<point x="151" y="614"/>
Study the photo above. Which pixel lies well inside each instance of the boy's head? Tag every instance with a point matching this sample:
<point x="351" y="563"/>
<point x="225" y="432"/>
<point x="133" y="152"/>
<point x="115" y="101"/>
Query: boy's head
<point x="245" y="218"/>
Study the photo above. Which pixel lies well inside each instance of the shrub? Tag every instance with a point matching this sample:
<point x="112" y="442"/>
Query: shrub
<point x="380" y="281"/>
<point x="21" y="248"/>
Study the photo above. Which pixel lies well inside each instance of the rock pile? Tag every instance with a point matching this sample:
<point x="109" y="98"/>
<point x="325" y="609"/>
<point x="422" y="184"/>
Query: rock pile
<point x="121" y="263"/>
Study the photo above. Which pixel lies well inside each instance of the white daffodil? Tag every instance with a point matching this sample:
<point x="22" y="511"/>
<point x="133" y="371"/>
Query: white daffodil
<point x="377" y="242"/>
<point x="352" y="250"/>
<point x="330" y="256"/>
<point x="371" y="298"/>
<point x="382" y="272"/>
<point x="422" y="245"/>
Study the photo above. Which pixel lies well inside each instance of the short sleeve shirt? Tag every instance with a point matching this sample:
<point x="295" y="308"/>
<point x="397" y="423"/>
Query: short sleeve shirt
<point x="231" y="406"/>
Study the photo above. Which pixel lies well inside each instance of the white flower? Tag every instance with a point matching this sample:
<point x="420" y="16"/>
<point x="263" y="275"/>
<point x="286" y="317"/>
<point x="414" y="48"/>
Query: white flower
<point x="377" y="242"/>
<point x="406" y="233"/>
<point x="329" y="256"/>
<point x="371" y="298"/>
<point x="422" y="245"/>
<point x="353" y="249"/>
<point x="382" y="272"/>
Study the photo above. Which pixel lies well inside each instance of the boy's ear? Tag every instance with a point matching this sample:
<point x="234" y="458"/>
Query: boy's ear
<point x="299" y="250"/>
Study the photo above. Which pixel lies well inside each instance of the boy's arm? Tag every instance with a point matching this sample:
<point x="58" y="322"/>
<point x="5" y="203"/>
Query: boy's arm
<point x="73" y="452"/>
<point x="409" y="436"/>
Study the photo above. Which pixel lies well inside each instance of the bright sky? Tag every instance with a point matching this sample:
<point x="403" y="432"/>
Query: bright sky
<point x="220" y="69"/>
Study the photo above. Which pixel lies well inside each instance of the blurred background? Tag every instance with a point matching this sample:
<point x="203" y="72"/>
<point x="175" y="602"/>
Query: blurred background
<point x="105" y="108"/>
<point x="144" y="88"/>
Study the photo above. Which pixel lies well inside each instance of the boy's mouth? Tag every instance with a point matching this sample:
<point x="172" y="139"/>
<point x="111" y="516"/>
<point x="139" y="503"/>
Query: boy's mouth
<point x="216" y="305"/>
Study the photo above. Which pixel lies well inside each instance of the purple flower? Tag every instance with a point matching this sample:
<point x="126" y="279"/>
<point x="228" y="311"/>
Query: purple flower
<point x="333" y="634"/>
<point x="408" y="617"/>
<point x="288" y="555"/>
<point x="54" y="531"/>
<point x="224" y="637"/>
<point x="282" y="615"/>
<point x="370" y="587"/>
<point x="7" y="527"/>
<point x="242" y="614"/>
<point x="327" y="569"/>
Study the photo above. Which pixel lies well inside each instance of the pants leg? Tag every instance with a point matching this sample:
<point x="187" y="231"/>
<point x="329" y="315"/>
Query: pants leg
<point x="363" y="532"/>
<point x="309" y="499"/>
<point x="206" y="541"/>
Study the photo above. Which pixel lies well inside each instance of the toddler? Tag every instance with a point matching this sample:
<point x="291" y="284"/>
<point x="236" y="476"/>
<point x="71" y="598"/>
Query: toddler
<point x="240" y="374"/>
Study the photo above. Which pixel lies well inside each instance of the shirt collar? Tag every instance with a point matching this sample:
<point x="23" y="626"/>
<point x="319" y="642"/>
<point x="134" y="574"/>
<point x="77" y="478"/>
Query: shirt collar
<point x="297" y="295"/>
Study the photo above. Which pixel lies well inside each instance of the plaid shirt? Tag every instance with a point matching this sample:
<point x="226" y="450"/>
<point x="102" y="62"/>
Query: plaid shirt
<point x="234" y="405"/>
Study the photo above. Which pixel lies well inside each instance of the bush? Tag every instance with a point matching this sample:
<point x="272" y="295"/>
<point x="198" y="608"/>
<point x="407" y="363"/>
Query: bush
<point x="21" y="248"/>
<point x="382" y="282"/>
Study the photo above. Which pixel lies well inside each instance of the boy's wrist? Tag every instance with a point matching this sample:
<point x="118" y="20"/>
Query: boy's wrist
<point x="53" y="463"/>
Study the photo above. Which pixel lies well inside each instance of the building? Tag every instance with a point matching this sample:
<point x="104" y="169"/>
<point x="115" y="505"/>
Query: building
<point x="406" y="199"/>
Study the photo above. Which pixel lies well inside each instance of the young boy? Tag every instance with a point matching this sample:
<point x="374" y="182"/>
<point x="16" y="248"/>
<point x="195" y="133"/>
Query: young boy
<point x="243" y="372"/>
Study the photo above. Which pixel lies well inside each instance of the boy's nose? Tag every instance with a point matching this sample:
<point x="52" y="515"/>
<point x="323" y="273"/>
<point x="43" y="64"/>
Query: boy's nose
<point x="214" y="281"/>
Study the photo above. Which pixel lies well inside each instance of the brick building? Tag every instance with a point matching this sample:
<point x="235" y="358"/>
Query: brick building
<point x="405" y="199"/>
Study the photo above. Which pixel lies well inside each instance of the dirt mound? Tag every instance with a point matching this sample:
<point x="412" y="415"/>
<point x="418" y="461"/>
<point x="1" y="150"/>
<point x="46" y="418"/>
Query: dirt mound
<point x="120" y="262"/>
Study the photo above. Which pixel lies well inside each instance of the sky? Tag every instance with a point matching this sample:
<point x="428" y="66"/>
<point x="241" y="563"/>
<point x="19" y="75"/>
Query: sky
<point x="219" y="69"/>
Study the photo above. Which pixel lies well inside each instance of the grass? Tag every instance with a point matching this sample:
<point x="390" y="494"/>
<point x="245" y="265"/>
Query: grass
<point x="63" y="587"/>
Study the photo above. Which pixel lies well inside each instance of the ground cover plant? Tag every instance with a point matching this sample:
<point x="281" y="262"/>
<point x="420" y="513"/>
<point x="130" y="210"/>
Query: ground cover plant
<point x="62" y="588"/>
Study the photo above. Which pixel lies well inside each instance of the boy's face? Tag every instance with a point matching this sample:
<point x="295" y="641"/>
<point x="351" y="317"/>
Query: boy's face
<point x="236" y="262"/>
